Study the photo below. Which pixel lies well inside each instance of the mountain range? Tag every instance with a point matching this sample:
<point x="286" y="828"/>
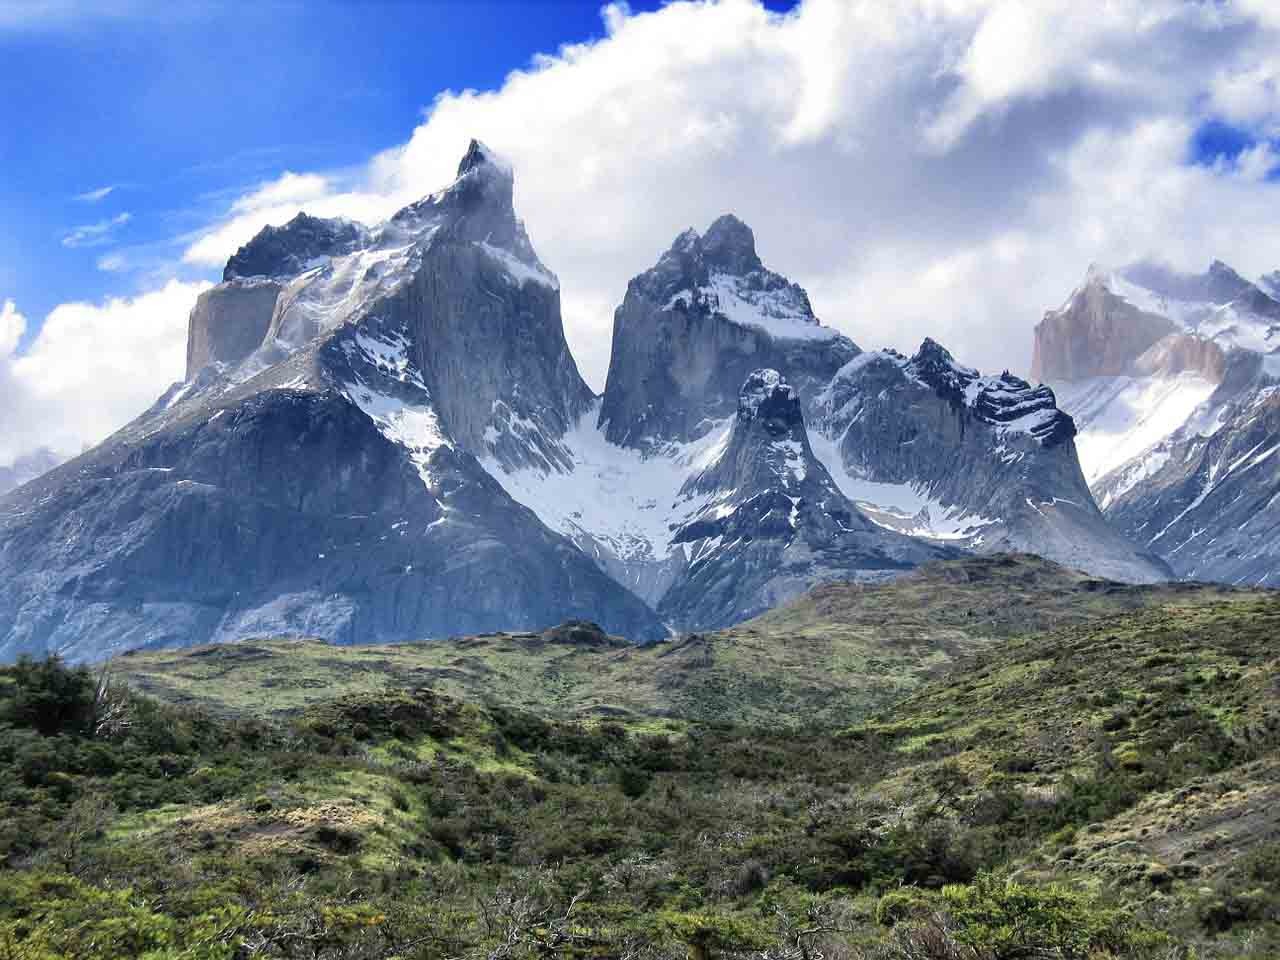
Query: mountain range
<point x="382" y="435"/>
<point x="1173" y="380"/>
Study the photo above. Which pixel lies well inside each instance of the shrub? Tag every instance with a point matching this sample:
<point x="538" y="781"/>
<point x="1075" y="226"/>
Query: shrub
<point x="898" y="905"/>
<point x="51" y="697"/>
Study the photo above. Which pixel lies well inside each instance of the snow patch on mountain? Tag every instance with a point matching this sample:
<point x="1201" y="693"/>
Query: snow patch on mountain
<point x="778" y="312"/>
<point x="519" y="271"/>
<point x="1121" y="418"/>
<point x="904" y="507"/>
<point x="413" y="424"/>
<point x="628" y="501"/>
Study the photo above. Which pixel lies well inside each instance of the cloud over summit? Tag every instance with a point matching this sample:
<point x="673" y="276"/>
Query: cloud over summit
<point x="930" y="167"/>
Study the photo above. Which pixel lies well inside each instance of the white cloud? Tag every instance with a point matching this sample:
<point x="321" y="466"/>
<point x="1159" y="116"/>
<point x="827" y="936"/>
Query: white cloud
<point x="95" y="234"/>
<point x="925" y="167"/>
<point x="277" y="202"/>
<point x="90" y="369"/>
<point x="12" y="326"/>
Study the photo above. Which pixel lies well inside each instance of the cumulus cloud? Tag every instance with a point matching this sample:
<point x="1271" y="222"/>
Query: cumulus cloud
<point x="90" y="369"/>
<point x="95" y="234"/>
<point x="927" y="167"/>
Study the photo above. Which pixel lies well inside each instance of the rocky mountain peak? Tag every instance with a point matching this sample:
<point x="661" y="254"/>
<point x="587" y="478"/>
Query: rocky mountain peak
<point x="478" y="207"/>
<point x="934" y="365"/>
<point x="287" y="249"/>
<point x="694" y="326"/>
<point x="1095" y="333"/>
<point x="767" y="398"/>
<point x="479" y="156"/>
<point x="729" y="246"/>
<point x="1224" y="272"/>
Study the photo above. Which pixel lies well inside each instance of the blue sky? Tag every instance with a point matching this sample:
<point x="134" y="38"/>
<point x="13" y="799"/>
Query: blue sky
<point x="921" y="167"/>
<point x="183" y="107"/>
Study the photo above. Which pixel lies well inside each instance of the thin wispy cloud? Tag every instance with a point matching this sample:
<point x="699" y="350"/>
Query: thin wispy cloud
<point x="95" y="234"/>
<point x="95" y="196"/>
<point x="113" y="263"/>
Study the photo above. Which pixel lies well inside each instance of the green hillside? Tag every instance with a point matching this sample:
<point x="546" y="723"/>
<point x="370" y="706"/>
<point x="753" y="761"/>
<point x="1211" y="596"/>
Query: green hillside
<point x="1069" y="770"/>
<point x="832" y="656"/>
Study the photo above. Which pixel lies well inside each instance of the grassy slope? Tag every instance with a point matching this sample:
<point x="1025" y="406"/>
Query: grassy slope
<point x="1125" y="740"/>
<point x="830" y="657"/>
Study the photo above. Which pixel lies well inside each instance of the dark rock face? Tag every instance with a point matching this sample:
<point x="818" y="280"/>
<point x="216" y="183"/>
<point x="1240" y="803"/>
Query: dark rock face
<point x="1096" y="334"/>
<point x="229" y="322"/>
<point x="492" y="353"/>
<point x="287" y="512"/>
<point x="288" y="250"/>
<point x="777" y="524"/>
<point x="994" y="451"/>
<point x="692" y="328"/>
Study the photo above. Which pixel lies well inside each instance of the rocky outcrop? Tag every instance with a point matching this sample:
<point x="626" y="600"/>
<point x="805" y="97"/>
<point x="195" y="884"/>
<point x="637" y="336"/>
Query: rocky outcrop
<point x="1183" y="353"/>
<point x="230" y="322"/>
<point x="991" y="457"/>
<point x="693" y="327"/>
<point x="1095" y="333"/>
<point x="287" y="250"/>
<point x="774" y="523"/>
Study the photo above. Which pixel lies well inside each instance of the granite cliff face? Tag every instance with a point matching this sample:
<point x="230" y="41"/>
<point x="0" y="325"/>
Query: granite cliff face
<point x="1095" y="333"/>
<point x="1179" y="443"/>
<point x="324" y="480"/>
<point x="230" y="321"/>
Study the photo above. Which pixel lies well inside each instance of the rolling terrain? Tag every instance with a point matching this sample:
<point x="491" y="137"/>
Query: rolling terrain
<point x="835" y="654"/>
<point x="994" y="758"/>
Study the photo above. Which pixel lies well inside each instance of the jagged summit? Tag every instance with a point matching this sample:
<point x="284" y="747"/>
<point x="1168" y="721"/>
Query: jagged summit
<point x="730" y="247"/>
<point x="768" y="445"/>
<point x="478" y="156"/>
<point x="318" y="471"/>
<point x="288" y="249"/>
<point x="766" y="397"/>
<point x="1118" y="323"/>
<point x="772" y="520"/>
<point x="696" y="324"/>
<point x="719" y="271"/>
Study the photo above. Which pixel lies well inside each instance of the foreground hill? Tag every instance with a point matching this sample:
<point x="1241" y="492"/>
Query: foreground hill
<point x="833" y="655"/>
<point x="1122" y="767"/>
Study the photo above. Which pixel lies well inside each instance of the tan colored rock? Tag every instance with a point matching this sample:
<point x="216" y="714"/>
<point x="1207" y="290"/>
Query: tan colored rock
<point x="229" y="322"/>
<point x="1183" y="353"/>
<point x="1095" y="334"/>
